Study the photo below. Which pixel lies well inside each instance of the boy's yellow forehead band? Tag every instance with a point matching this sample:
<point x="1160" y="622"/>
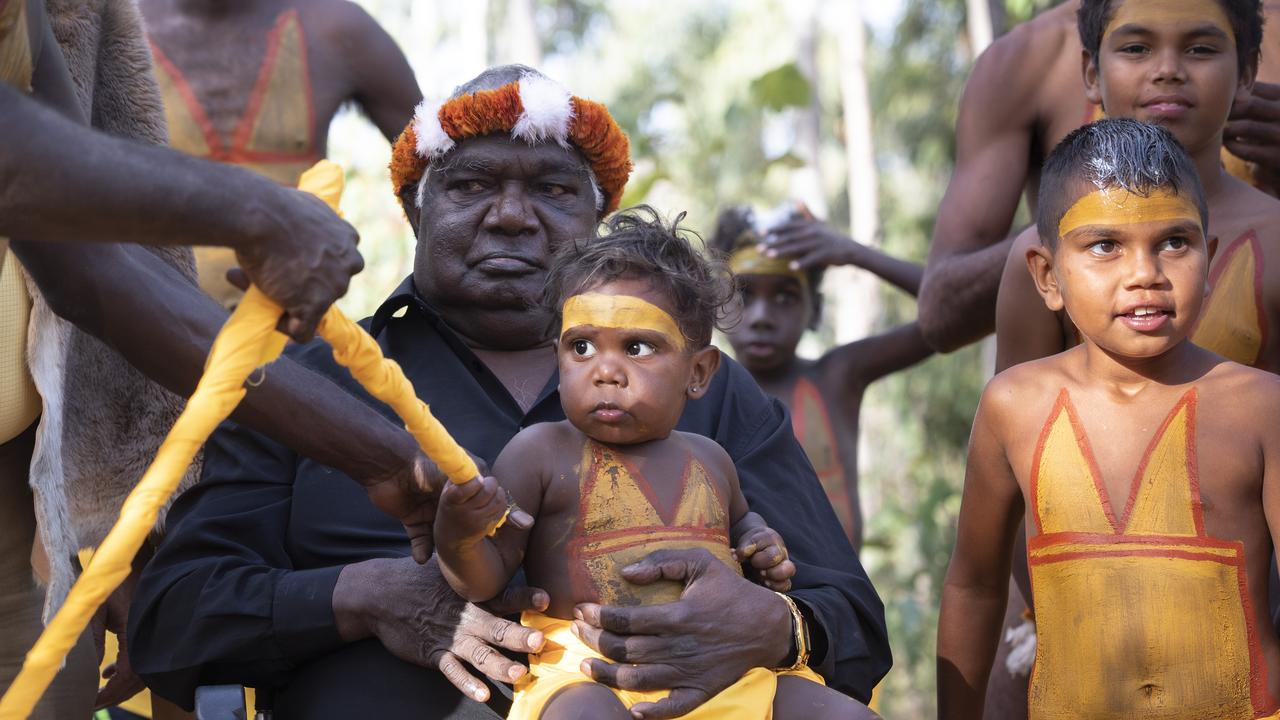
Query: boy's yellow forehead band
<point x="619" y="311"/>
<point x="1116" y="206"/>
<point x="1170" y="11"/>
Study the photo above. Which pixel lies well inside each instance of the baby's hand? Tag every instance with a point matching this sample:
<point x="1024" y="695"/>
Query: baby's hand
<point x="763" y="554"/>
<point x="469" y="512"/>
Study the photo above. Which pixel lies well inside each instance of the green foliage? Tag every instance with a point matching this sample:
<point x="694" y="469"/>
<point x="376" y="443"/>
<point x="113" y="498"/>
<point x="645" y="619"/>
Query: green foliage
<point x="780" y="88"/>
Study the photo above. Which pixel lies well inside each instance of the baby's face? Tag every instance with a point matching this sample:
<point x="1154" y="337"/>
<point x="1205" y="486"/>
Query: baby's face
<point x="625" y="367"/>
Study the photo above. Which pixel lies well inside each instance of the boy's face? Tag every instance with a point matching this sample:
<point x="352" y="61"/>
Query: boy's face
<point x="625" y="367"/>
<point x="1169" y="62"/>
<point x="1130" y="271"/>
<point x="775" y="310"/>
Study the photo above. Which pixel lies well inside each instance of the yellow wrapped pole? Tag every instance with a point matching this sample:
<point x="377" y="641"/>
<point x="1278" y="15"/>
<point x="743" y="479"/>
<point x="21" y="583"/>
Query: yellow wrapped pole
<point x="249" y="340"/>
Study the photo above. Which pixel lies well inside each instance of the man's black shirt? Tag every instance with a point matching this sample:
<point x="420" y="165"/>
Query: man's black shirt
<point x="241" y="588"/>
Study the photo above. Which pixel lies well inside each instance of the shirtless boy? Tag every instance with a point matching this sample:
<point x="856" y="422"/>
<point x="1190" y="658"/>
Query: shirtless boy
<point x="1151" y="592"/>
<point x="1176" y="63"/>
<point x="256" y="84"/>
<point x="1022" y="97"/>
<point x="778" y="271"/>
<point x="616" y="482"/>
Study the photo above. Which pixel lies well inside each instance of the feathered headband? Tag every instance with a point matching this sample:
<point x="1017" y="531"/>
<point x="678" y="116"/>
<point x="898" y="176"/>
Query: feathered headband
<point x="534" y="109"/>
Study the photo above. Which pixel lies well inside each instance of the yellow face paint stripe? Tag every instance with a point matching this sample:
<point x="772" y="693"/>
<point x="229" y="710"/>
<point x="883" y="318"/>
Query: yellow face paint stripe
<point x="619" y="311"/>
<point x="748" y="260"/>
<point x="1114" y="206"/>
<point x="1170" y="11"/>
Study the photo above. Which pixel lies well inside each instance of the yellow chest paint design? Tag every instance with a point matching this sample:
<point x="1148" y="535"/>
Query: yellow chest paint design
<point x="275" y="137"/>
<point x="19" y="401"/>
<point x="619" y="522"/>
<point x="1143" y="615"/>
<point x="1233" y="321"/>
<point x="812" y="426"/>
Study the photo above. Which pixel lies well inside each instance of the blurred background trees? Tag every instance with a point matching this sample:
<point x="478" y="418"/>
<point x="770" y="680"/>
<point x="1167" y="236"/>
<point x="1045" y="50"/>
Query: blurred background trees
<point x="847" y="105"/>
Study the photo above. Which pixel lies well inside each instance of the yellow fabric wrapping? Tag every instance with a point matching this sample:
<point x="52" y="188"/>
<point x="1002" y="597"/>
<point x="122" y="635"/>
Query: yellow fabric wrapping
<point x="558" y="667"/>
<point x="248" y="341"/>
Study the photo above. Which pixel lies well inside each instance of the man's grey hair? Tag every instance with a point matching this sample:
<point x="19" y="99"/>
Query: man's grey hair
<point x="1120" y="153"/>
<point x="492" y="79"/>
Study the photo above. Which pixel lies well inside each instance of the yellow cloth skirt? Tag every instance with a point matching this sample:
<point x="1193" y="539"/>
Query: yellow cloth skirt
<point x="558" y="666"/>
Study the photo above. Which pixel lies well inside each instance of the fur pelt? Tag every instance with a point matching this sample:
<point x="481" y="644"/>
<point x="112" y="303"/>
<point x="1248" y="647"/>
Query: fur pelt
<point x="102" y="420"/>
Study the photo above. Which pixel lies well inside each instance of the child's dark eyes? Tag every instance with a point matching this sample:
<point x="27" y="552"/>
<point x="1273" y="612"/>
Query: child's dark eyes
<point x="1102" y="247"/>
<point x="639" y="348"/>
<point x="786" y="298"/>
<point x="583" y="348"/>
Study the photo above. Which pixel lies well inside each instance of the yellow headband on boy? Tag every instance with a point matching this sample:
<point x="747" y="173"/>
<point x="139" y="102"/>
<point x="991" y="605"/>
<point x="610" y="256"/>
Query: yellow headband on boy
<point x="619" y="311"/>
<point x="1171" y="11"/>
<point x="748" y="260"/>
<point x="1116" y="206"/>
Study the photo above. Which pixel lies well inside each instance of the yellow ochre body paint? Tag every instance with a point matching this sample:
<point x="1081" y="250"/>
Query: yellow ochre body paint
<point x="1187" y="12"/>
<point x="1233" y="322"/>
<point x="1116" y="206"/>
<point x="748" y="260"/>
<point x="621" y="520"/>
<point x="1141" y="615"/>
<point x="619" y="311"/>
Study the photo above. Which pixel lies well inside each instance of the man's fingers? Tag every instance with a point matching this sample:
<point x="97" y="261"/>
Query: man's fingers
<point x="1270" y="91"/>
<point x="675" y="565"/>
<point x="456" y="673"/>
<point x="632" y="677"/>
<point x="420" y="543"/>
<point x="638" y="620"/>
<point x="623" y="648"/>
<point x="1266" y="155"/>
<point x="461" y="494"/>
<point x="681" y="701"/>
<point x="299" y="325"/>
<point x="1254" y="132"/>
<point x="489" y="661"/>
<point x="767" y="557"/>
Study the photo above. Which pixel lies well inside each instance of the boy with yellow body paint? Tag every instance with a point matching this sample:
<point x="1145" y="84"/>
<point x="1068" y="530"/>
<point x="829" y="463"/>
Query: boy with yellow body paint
<point x="616" y="482"/>
<point x="1179" y="64"/>
<point x="1146" y="465"/>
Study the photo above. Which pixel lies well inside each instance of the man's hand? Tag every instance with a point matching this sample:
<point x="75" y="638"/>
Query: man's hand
<point x="722" y="626"/>
<point x="811" y="244"/>
<point x="763" y="553"/>
<point x="410" y="496"/>
<point x="113" y="616"/>
<point x="303" y="259"/>
<point x="1253" y="131"/>
<point x="419" y="619"/>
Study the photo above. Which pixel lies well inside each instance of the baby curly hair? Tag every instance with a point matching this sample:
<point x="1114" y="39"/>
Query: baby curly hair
<point x="638" y="243"/>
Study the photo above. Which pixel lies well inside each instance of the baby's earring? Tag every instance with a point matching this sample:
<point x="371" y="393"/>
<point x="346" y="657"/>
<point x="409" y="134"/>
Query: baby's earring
<point x="693" y="388"/>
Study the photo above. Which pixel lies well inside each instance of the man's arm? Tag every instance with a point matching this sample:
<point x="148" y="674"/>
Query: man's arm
<point x="166" y="333"/>
<point x="973" y="595"/>
<point x="224" y="601"/>
<point x="994" y="133"/>
<point x="61" y="181"/>
<point x="384" y="84"/>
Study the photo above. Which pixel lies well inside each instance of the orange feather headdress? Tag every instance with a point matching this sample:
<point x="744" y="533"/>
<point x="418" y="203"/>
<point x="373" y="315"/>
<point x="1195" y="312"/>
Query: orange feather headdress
<point x="534" y="109"/>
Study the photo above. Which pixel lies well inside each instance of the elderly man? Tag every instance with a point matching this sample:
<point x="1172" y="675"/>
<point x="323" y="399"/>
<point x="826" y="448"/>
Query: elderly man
<point x="274" y="573"/>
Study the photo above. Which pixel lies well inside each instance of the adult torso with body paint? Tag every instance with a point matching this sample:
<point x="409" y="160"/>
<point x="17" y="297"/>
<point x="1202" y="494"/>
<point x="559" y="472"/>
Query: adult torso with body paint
<point x="257" y="85"/>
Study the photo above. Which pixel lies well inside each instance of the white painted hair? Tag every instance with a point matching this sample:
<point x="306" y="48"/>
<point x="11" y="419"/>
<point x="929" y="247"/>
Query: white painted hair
<point x="547" y="115"/>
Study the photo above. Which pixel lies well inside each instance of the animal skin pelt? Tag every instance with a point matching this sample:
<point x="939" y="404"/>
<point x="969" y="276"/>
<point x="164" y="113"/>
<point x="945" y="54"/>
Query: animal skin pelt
<point x="102" y="421"/>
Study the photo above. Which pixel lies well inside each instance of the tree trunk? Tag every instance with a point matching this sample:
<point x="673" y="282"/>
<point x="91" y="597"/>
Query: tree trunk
<point x="978" y="19"/>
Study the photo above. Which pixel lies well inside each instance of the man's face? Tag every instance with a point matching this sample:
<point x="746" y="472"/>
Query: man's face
<point x="627" y="385"/>
<point x="492" y="213"/>
<point x="1129" y="271"/>
<point x="1172" y="63"/>
<point x="776" y="310"/>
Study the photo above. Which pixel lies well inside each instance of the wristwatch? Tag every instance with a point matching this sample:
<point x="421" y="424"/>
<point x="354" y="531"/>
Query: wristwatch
<point x="799" y="657"/>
